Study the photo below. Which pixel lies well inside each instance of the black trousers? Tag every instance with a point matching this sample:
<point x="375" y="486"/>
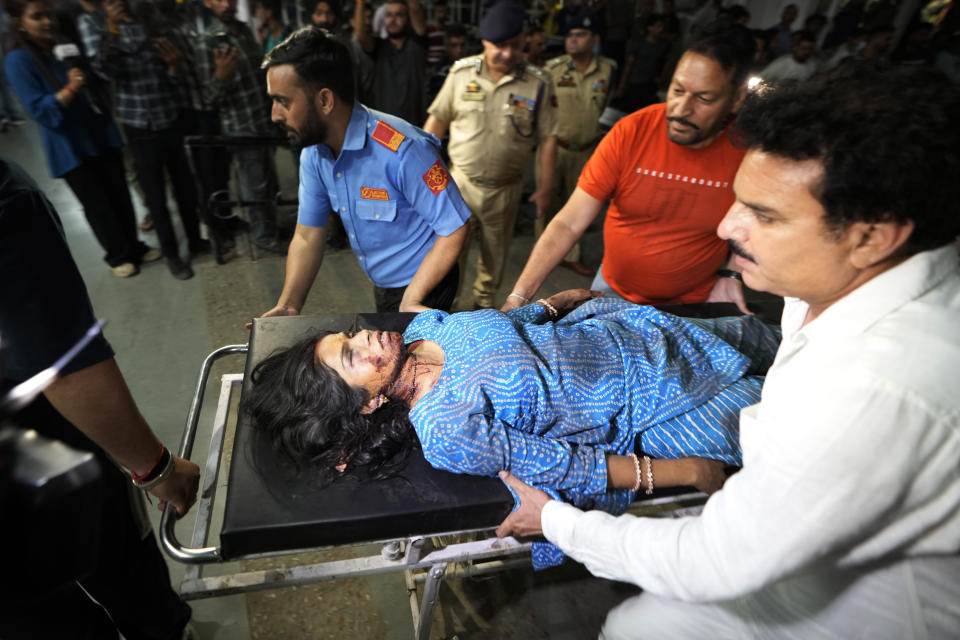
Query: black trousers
<point x="130" y="579"/>
<point x="440" y="297"/>
<point x="154" y="153"/>
<point x="101" y="188"/>
<point x="212" y="164"/>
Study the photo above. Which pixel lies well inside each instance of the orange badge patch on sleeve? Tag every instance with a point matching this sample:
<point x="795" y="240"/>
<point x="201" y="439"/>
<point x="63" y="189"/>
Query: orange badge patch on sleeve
<point x="387" y="135"/>
<point x="369" y="193"/>
<point x="436" y="178"/>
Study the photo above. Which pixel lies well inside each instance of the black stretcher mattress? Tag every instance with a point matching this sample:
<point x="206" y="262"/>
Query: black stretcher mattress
<point x="287" y="512"/>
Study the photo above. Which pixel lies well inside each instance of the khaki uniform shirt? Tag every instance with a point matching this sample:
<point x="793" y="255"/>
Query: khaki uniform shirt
<point x="495" y="125"/>
<point x="581" y="98"/>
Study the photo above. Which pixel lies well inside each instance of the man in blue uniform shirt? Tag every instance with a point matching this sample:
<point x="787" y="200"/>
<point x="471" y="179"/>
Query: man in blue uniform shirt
<point x="402" y="212"/>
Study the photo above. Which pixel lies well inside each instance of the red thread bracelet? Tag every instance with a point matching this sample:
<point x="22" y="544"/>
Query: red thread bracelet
<point x="140" y="478"/>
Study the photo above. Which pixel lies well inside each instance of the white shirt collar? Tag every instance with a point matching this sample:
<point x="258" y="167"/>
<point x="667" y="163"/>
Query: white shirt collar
<point x="858" y="310"/>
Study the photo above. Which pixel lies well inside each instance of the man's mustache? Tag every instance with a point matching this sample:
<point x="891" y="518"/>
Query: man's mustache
<point x="682" y="121"/>
<point x="740" y="251"/>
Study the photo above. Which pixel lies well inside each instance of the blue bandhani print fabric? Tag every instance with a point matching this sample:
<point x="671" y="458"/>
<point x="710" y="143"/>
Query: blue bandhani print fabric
<point x="549" y="400"/>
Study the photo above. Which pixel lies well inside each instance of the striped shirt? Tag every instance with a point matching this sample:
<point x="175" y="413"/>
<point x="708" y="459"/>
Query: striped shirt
<point x="241" y="99"/>
<point x="146" y="95"/>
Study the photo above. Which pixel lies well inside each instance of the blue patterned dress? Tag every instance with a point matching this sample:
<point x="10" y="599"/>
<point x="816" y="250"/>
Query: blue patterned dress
<point x="548" y="400"/>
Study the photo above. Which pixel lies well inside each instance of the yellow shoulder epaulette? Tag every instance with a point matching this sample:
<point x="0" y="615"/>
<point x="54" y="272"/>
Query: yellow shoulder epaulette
<point x="387" y="136"/>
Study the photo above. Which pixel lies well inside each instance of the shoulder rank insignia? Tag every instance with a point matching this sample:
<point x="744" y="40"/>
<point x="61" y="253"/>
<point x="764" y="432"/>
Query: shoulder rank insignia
<point x="436" y="178"/>
<point x="537" y="73"/>
<point x="387" y="135"/>
<point x="463" y="63"/>
<point x="553" y="62"/>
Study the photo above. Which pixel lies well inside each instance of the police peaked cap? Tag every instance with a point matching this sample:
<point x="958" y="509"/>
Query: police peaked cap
<point x="502" y="22"/>
<point x="582" y="19"/>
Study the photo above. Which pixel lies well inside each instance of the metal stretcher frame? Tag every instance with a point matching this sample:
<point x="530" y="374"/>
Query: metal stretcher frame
<point x="222" y="199"/>
<point x="414" y="555"/>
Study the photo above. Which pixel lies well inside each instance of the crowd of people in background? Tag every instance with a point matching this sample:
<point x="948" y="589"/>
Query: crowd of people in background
<point x="412" y="124"/>
<point x="115" y="86"/>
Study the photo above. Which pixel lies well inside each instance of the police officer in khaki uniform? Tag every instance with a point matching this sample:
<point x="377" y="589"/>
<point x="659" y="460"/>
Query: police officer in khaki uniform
<point x="497" y="108"/>
<point x="583" y="84"/>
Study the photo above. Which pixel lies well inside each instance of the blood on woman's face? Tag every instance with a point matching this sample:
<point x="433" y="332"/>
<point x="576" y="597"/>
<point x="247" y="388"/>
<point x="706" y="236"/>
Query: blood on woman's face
<point x="367" y="359"/>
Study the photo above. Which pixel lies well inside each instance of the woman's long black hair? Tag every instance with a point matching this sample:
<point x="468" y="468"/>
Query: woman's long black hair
<point x="313" y="417"/>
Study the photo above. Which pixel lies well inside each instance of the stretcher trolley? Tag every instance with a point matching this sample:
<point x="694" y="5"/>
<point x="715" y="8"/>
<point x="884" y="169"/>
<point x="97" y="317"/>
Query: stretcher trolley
<point x="272" y="509"/>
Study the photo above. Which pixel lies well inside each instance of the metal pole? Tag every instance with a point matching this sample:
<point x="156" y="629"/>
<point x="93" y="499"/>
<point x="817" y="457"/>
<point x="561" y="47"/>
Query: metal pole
<point x="431" y="593"/>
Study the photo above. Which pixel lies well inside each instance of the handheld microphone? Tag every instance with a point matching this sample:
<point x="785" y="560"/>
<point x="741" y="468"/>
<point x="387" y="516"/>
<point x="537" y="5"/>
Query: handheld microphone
<point x="69" y="54"/>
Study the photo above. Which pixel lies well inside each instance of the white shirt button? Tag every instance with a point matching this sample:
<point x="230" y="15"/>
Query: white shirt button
<point x="339" y="174"/>
<point x="343" y="208"/>
<point x="378" y="216"/>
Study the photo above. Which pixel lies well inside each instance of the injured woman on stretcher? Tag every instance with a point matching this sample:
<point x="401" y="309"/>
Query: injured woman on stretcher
<point x="559" y="394"/>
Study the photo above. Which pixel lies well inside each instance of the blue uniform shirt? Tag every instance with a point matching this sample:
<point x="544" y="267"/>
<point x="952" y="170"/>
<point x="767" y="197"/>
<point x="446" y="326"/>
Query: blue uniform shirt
<point x="391" y="189"/>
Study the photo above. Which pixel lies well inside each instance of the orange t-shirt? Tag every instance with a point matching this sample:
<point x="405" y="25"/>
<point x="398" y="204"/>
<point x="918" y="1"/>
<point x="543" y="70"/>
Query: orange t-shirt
<point x="666" y="201"/>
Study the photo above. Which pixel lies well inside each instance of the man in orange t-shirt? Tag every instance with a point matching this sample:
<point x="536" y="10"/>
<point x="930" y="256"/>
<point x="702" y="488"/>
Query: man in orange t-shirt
<point x="666" y="200"/>
<point x="667" y="171"/>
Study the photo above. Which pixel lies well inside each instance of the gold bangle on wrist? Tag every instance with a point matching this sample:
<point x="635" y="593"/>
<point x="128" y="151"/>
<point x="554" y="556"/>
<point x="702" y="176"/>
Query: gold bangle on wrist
<point x="552" y="310"/>
<point x="636" y="465"/>
<point x="649" y="463"/>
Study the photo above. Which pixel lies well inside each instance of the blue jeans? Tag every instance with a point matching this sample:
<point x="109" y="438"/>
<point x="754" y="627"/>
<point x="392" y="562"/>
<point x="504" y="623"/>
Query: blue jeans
<point x="599" y="284"/>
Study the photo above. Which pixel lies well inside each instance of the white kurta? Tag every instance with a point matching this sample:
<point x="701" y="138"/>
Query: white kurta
<point x="851" y="457"/>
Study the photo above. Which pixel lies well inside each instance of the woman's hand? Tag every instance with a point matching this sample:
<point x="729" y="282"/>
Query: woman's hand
<point x="705" y="474"/>
<point x="76" y="79"/>
<point x="566" y="301"/>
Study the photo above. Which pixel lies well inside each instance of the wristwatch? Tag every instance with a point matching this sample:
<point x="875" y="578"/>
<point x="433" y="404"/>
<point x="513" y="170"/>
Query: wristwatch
<point x="730" y="273"/>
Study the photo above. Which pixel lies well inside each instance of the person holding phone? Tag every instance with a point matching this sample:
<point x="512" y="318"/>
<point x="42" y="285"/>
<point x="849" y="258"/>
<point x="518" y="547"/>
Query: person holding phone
<point x="145" y="73"/>
<point x="81" y="142"/>
<point x="227" y="60"/>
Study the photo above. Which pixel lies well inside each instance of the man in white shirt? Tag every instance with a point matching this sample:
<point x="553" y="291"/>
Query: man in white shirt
<point x="845" y="519"/>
